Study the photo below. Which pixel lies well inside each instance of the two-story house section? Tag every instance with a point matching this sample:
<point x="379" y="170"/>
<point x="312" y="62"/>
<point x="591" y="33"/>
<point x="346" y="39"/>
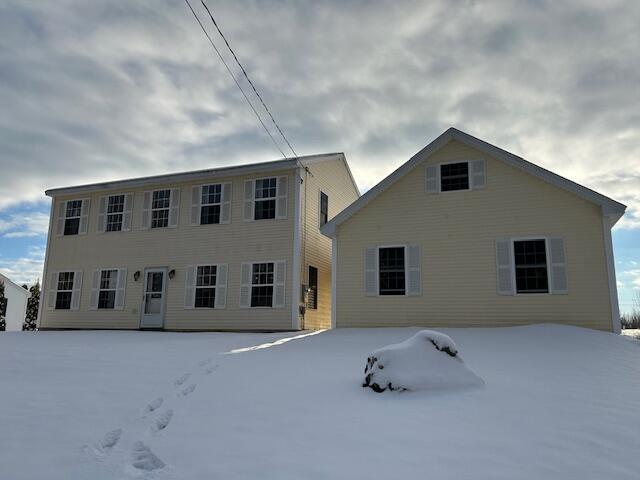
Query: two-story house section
<point x="234" y="248"/>
<point x="465" y="234"/>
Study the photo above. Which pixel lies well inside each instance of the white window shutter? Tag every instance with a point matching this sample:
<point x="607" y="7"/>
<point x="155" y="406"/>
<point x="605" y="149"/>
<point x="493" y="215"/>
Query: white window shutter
<point x="126" y="214"/>
<point x="121" y="289"/>
<point x="249" y="200"/>
<point x="77" y="289"/>
<point x="370" y="271"/>
<point x="225" y="207"/>
<point x="95" y="290"/>
<point x="279" y="280"/>
<point x="414" y="263"/>
<point x="431" y="173"/>
<point x="52" y="290"/>
<point x="62" y="214"/>
<point x="84" y="216"/>
<point x="504" y="267"/>
<point x="174" y="209"/>
<point x="190" y="287"/>
<point x="102" y="215"/>
<point x="196" y="203"/>
<point x="145" y="222"/>
<point x="477" y="174"/>
<point x="221" y="286"/>
<point x="281" y="201"/>
<point x="245" y="285"/>
<point x="558" y="266"/>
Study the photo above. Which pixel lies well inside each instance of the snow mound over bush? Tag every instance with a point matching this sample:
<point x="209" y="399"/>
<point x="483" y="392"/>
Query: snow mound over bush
<point x="428" y="360"/>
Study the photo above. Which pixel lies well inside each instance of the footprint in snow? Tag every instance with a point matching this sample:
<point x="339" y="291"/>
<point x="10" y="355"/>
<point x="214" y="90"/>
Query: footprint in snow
<point x="179" y="381"/>
<point x="205" y="362"/>
<point x="189" y="389"/>
<point x="155" y="404"/>
<point x="111" y="438"/>
<point x="210" y="369"/>
<point x="163" y="420"/>
<point x="144" y="459"/>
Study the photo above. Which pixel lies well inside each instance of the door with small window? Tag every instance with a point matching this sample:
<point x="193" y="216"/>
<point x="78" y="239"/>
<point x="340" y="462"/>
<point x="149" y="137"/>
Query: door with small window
<point x="153" y="302"/>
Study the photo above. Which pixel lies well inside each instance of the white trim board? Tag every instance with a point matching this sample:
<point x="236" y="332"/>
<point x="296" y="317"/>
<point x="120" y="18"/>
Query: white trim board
<point x="609" y="206"/>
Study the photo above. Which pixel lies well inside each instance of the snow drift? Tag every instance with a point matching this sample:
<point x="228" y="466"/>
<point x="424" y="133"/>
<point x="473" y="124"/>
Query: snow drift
<point x="427" y="360"/>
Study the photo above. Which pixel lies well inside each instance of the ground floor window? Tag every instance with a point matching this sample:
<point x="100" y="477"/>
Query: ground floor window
<point x="64" y="290"/>
<point x="391" y="268"/>
<point x="108" y="287"/>
<point x="312" y="293"/>
<point x="206" y="276"/>
<point x="262" y="285"/>
<point x="530" y="258"/>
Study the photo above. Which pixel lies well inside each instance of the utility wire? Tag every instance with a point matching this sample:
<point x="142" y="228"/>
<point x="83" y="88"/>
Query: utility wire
<point x="237" y="83"/>
<point x="244" y="72"/>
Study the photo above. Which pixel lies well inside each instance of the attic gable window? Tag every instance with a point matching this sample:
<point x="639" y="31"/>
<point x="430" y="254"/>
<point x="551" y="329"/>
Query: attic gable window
<point x="265" y="195"/>
<point x="72" y="217"/>
<point x="454" y="176"/>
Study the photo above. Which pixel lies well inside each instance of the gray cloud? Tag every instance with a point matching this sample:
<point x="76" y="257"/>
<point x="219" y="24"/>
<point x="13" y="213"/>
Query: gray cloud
<point x="108" y="90"/>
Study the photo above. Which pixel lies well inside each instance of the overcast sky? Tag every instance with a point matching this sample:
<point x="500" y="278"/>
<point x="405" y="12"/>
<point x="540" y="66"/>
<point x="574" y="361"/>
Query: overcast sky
<point x="99" y="90"/>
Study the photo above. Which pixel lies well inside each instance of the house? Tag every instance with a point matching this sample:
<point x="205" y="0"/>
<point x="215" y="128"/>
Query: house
<point x="16" y="304"/>
<point x="466" y="234"/>
<point x="234" y="248"/>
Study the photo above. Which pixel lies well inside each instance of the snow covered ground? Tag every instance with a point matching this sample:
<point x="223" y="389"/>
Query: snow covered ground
<point x="558" y="402"/>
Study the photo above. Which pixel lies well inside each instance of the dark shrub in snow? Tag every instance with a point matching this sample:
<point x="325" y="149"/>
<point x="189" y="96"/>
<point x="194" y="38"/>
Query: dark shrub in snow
<point x="428" y="360"/>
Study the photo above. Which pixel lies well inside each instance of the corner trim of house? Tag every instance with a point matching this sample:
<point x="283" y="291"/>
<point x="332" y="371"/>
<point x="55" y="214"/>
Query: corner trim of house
<point x="607" y="223"/>
<point x="295" y="282"/>
<point x="334" y="279"/>
<point x="43" y="280"/>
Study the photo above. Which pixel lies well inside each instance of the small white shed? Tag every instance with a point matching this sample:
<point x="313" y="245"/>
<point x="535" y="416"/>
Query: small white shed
<point x="16" y="304"/>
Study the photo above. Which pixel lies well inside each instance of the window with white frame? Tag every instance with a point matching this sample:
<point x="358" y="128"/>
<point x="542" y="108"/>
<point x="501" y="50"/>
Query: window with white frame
<point x="115" y="213"/>
<point x="160" y="205"/>
<point x="64" y="290"/>
<point x="454" y="176"/>
<point x="205" y="294"/>
<point x="530" y="260"/>
<point x="391" y="271"/>
<point x="73" y="213"/>
<point x="262" y="283"/>
<point x="324" y="208"/>
<point x="265" y="198"/>
<point x="211" y="201"/>
<point x="107" y="289"/>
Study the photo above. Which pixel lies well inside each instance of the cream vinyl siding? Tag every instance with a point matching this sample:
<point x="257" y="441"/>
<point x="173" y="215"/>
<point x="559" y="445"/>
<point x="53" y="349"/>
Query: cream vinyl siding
<point x="457" y="233"/>
<point x="176" y="248"/>
<point x="332" y="178"/>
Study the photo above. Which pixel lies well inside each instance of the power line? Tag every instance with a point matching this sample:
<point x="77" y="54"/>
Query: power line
<point x="236" y="80"/>
<point x="247" y="77"/>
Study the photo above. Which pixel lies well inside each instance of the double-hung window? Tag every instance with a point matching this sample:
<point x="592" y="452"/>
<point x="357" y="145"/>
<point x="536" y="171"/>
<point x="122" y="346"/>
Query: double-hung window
<point x="391" y="268"/>
<point x="211" y="201"/>
<point x="160" y="205"/>
<point x="262" y="285"/>
<point x="530" y="259"/>
<point x="64" y="289"/>
<point x="454" y="176"/>
<point x="324" y="208"/>
<point x="206" y="276"/>
<point x="115" y="213"/>
<point x="73" y="213"/>
<point x="265" y="198"/>
<point x="312" y="293"/>
<point x="107" y="289"/>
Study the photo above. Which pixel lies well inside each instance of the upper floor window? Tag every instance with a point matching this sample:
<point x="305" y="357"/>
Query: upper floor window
<point x="206" y="286"/>
<point x="324" y="208"/>
<point x="265" y="195"/>
<point x="530" y="258"/>
<point x="115" y="213"/>
<point x="160" y="204"/>
<point x="391" y="268"/>
<point x="72" y="217"/>
<point x="454" y="176"/>
<point x="211" y="199"/>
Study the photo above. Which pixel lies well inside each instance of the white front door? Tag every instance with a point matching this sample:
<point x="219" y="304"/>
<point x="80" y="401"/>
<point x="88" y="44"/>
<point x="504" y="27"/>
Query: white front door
<point x="153" y="301"/>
